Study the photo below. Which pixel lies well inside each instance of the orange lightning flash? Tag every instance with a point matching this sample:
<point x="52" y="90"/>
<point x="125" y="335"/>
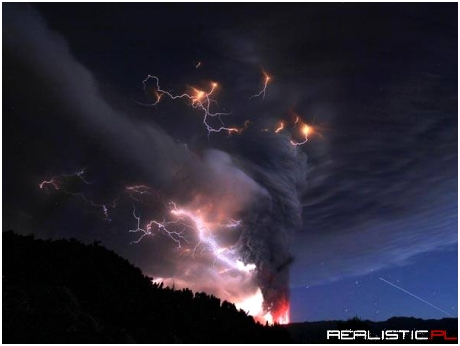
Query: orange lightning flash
<point x="264" y="89"/>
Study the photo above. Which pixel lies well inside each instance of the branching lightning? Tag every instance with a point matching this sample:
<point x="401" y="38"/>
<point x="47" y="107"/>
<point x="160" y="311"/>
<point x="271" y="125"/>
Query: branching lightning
<point x="304" y="131"/>
<point x="189" y="228"/>
<point x="264" y="89"/>
<point x="139" y="189"/>
<point x="200" y="100"/>
<point x="205" y="239"/>
<point x="187" y="220"/>
<point x="299" y="131"/>
<point x="176" y="236"/>
<point x="59" y="181"/>
<point x="176" y="229"/>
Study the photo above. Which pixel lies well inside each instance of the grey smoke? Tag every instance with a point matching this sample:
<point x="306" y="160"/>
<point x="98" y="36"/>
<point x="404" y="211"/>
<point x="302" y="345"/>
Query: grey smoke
<point x="270" y="226"/>
<point x="262" y="186"/>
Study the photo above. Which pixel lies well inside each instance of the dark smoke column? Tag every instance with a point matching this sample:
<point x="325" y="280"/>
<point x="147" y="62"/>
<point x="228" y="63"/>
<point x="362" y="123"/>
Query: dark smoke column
<point x="269" y="226"/>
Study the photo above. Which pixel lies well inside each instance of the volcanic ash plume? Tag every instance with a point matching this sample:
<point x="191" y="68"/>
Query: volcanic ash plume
<point x="270" y="224"/>
<point x="248" y="262"/>
<point x="224" y="221"/>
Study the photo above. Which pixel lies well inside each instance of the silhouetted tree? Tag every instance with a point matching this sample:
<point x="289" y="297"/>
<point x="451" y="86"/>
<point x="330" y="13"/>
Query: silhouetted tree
<point x="66" y="292"/>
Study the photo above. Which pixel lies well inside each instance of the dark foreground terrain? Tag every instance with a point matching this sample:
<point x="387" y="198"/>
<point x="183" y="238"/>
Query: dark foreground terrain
<point x="67" y="292"/>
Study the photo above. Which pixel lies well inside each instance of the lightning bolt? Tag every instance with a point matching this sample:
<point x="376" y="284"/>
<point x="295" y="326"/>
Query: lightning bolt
<point x="59" y="181"/>
<point x="305" y="130"/>
<point x="280" y="127"/>
<point x="56" y="181"/>
<point x="193" y="221"/>
<point x="264" y="89"/>
<point x="163" y="227"/>
<point x="188" y="228"/>
<point x="199" y="99"/>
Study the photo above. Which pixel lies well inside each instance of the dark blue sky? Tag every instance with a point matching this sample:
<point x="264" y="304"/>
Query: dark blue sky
<point x="378" y="80"/>
<point x="430" y="276"/>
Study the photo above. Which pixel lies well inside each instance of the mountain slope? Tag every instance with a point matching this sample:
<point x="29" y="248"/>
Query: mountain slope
<point x="67" y="292"/>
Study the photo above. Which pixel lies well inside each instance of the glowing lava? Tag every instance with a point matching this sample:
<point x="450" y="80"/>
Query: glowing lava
<point x="253" y="306"/>
<point x="203" y="237"/>
<point x="281" y="316"/>
<point x="198" y="231"/>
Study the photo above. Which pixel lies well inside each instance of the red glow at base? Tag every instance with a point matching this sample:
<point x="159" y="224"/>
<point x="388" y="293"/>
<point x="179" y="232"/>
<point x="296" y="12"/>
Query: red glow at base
<point x="253" y="306"/>
<point x="281" y="316"/>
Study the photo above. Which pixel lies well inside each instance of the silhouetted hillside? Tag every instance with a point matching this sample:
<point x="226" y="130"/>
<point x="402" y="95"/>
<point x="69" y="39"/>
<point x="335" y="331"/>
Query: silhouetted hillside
<point x="67" y="292"/>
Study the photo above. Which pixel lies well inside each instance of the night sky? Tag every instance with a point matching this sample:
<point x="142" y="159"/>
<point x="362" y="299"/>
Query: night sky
<point x="372" y="194"/>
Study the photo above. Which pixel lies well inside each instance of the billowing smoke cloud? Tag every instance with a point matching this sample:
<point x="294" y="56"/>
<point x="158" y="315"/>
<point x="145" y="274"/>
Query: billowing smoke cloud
<point x="269" y="227"/>
<point x="382" y="172"/>
<point x="259" y="182"/>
